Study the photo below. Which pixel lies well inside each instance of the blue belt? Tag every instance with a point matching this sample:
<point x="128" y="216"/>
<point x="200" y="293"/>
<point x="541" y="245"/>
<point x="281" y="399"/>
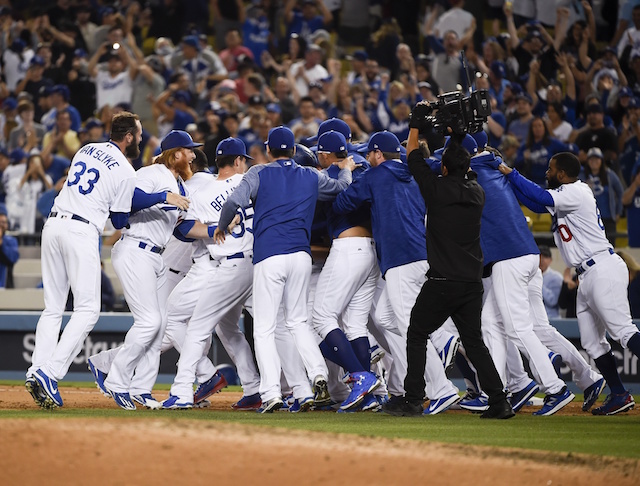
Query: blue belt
<point x="56" y="214"/>
<point x="235" y="255"/>
<point x="153" y="249"/>
<point x="589" y="263"/>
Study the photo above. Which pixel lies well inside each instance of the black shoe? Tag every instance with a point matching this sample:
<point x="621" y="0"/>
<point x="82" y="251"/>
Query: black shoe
<point x="500" y="410"/>
<point x="400" y="407"/>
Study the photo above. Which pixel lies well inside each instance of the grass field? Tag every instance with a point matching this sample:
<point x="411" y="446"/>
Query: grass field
<point x="575" y="432"/>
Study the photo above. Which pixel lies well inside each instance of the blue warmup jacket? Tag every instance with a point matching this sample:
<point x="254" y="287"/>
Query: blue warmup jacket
<point x="284" y="196"/>
<point x="397" y="212"/>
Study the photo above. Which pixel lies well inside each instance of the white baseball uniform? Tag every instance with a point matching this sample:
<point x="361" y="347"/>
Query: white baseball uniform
<point x="602" y="304"/>
<point x="224" y="274"/>
<point x="100" y="180"/>
<point x="138" y="263"/>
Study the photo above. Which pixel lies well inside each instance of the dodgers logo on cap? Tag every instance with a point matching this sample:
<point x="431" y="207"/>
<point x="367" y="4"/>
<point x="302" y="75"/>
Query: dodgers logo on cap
<point x="332" y="142"/>
<point x="280" y="138"/>
<point x="232" y="146"/>
<point x="178" y="139"/>
<point x="385" y="142"/>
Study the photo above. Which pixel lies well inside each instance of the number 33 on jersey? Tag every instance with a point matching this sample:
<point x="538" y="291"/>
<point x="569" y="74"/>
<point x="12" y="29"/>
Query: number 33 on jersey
<point x="100" y="177"/>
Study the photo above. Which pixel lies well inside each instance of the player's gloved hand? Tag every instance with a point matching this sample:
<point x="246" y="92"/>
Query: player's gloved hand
<point x="177" y="200"/>
<point x="419" y="115"/>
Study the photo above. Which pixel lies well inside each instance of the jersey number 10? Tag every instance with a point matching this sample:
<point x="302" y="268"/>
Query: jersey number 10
<point x="81" y="169"/>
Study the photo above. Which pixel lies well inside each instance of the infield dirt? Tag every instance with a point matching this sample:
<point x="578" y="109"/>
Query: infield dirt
<point x="193" y="452"/>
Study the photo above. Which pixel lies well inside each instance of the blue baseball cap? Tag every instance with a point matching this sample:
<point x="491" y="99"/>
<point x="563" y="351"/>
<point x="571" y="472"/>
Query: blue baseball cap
<point x="280" y="138"/>
<point x="335" y="124"/>
<point x="36" y="61"/>
<point x="182" y="95"/>
<point x="93" y="123"/>
<point x="192" y="40"/>
<point x="63" y="90"/>
<point x="9" y="104"/>
<point x="468" y="143"/>
<point x="499" y="69"/>
<point x="480" y="138"/>
<point x="178" y="139"/>
<point x="274" y="108"/>
<point x="332" y="142"/>
<point x="625" y="91"/>
<point x="80" y="53"/>
<point x="634" y="103"/>
<point x="232" y="146"/>
<point x="385" y="142"/>
<point x="17" y="155"/>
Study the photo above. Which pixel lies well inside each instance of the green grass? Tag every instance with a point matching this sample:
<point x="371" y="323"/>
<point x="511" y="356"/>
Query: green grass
<point x="617" y="436"/>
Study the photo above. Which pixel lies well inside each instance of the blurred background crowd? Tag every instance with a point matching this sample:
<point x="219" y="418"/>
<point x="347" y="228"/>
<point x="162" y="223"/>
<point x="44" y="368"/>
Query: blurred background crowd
<point x="562" y="74"/>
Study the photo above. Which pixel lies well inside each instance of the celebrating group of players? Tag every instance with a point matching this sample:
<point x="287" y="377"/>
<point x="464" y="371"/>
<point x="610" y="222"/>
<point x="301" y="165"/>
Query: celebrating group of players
<point x="197" y="248"/>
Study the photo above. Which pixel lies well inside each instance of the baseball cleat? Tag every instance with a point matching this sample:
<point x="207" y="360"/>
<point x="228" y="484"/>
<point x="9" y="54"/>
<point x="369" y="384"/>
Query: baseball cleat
<point x="474" y="402"/>
<point x="364" y="382"/>
<point x="49" y="387"/>
<point x="248" y="402"/>
<point x="500" y="410"/>
<point x="147" y="400"/>
<point x="213" y="385"/>
<point x="592" y="393"/>
<point x="174" y="403"/>
<point x="400" y="407"/>
<point x="123" y="400"/>
<point x="369" y="403"/>
<point x="301" y="405"/>
<point x="441" y="404"/>
<point x="270" y="405"/>
<point x="99" y="378"/>
<point x="35" y="391"/>
<point x="520" y="398"/>
<point x="377" y="353"/>
<point x="321" y="395"/>
<point x="615" y="403"/>
<point x="555" y="402"/>
<point x="203" y="404"/>
<point x="448" y="354"/>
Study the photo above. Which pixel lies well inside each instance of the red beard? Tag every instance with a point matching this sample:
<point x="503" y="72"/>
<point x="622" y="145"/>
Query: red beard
<point x="183" y="169"/>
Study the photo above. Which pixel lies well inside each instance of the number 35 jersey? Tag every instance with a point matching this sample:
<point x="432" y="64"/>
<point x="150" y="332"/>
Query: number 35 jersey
<point x="100" y="180"/>
<point x="207" y="200"/>
<point x="578" y="230"/>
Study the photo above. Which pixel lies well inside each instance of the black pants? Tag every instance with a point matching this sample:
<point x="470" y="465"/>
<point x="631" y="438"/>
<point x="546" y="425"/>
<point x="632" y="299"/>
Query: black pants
<point x="462" y="301"/>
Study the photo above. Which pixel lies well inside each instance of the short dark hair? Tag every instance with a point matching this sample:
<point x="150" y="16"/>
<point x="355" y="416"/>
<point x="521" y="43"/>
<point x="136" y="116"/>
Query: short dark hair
<point x="277" y="153"/>
<point x="225" y="160"/>
<point x="201" y="162"/>
<point x="342" y="154"/>
<point x="567" y="162"/>
<point x="64" y="111"/>
<point x="456" y="159"/>
<point x="121" y="124"/>
<point x="306" y="98"/>
<point x="391" y="155"/>
<point x="545" y="251"/>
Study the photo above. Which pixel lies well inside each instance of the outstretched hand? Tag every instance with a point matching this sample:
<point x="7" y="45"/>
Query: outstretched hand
<point x="177" y="200"/>
<point x="505" y="169"/>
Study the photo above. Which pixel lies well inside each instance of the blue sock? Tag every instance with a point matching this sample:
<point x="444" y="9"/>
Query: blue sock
<point x="337" y="348"/>
<point x="470" y="378"/>
<point x="634" y="344"/>
<point x="360" y="346"/>
<point x="607" y="366"/>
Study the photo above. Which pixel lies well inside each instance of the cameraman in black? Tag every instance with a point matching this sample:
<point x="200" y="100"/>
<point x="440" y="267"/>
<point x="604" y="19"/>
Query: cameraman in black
<point x="454" y="281"/>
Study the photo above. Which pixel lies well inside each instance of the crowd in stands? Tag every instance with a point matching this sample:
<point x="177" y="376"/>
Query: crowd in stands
<point x="564" y="75"/>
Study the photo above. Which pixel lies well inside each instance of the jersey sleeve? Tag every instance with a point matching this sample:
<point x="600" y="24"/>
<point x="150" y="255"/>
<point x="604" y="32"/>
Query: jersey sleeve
<point x="565" y="199"/>
<point x="124" y="195"/>
<point x="328" y="187"/>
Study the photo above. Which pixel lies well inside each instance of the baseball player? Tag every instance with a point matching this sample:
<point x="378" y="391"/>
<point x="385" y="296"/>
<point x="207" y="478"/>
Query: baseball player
<point x="140" y="247"/>
<point x="284" y="196"/>
<point x="221" y="274"/>
<point x="397" y="214"/>
<point x="602" y="304"/>
<point x="100" y="184"/>
<point x="346" y="284"/>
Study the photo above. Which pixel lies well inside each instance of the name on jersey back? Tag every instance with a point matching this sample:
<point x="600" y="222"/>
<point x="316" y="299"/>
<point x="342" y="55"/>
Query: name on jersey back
<point x="99" y="155"/>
